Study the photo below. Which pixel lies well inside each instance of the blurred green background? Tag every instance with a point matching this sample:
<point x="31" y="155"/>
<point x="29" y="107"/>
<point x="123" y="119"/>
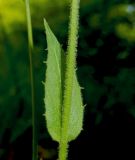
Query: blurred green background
<point x="106" y="70"/>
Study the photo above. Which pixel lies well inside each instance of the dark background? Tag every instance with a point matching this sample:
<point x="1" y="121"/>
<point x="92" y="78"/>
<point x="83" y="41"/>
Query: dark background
<point x="106" y="70"/>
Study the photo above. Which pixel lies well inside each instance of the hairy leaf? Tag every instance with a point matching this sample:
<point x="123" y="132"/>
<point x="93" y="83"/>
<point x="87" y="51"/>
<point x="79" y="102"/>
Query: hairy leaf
<point x="54" y="89"/>
<point x="76" y="113"/>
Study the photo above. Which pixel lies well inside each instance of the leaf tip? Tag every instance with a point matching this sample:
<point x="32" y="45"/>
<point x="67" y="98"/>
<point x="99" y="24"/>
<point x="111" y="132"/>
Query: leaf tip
<point x="45" y="24"/>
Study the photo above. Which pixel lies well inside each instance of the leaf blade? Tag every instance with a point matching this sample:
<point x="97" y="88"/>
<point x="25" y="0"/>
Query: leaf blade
<point x="55" y="88"/>
<point x="77" y="109"/>
<point x="53" y="85"/>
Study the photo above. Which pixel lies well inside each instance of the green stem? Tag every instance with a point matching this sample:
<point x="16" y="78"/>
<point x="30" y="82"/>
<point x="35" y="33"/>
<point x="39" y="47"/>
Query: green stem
<point x="30" y="42"/>
<point x="70" y="69"/>
<point x="63" y="150"/>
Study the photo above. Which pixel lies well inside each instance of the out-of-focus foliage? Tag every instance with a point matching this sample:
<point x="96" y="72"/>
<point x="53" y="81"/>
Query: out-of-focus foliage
<point x="106" y="54"/>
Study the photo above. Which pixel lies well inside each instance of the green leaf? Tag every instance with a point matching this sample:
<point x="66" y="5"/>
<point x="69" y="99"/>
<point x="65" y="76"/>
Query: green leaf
<point x="54" y="89"/>
<point x="76" y="118"/>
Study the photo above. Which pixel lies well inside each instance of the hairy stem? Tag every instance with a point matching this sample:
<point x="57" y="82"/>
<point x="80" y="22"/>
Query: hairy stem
<point x="30" y="42"/>
<point x="70" y="69"/>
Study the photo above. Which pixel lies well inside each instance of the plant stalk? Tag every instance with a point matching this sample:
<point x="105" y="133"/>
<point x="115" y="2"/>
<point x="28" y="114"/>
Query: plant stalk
<point x="31" y="46"/>
<point x="69" y="75"/>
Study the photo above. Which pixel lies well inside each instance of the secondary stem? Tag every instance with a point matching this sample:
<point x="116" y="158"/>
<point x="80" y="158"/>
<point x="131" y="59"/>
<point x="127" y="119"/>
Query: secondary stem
<point x="70" y="69"/>
<point x="30" y="41"/>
